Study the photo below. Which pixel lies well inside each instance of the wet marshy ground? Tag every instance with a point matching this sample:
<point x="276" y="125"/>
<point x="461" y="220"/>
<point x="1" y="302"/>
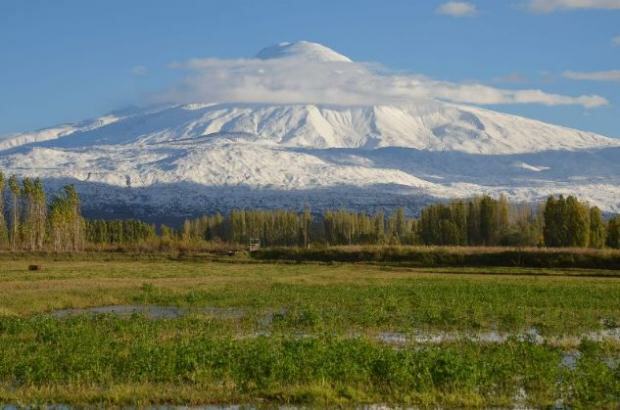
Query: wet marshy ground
<point x="265" y="323"/>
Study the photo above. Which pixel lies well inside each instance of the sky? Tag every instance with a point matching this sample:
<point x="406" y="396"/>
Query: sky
<point x="553" y="60"/>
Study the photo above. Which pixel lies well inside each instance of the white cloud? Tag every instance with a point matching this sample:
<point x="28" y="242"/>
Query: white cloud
<point x="293" y="80"/>
<point x="547" y="6"/>
<point x="611" y="75"/>
<point x="485" y="95"/>
<point x="139" y="70"/>
<point x="616" y="41"/>
<point x="457" y="9"/>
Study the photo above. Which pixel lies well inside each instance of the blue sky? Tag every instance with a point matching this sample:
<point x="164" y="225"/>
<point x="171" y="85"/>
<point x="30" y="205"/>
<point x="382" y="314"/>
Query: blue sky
<point x="71" y="60"/>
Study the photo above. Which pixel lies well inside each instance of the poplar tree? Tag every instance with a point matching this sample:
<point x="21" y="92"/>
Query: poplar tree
<point x="613" y="232"/>
<point x="598" y="230"/>
<point x="400" y="224"/>
<point x="552" y="224"/>
<point x="65" y="221"/>
<point x="378" y="227"/>
<point x="4" y="233"/>
<point x="525" y="228"/>
<point x="306" y="224"/>
<point x="577" y="219"/>
<point x="502" y="217"/>
<point x="40" y="213"/>
<point x="459" y="218"/>
<point x="473" y="223"/>
<point x="488" y="221"/>
<point x="15" y="194"/>
<point x="75" y="217"/>
<point x="187" y="231"/>
<point x="566" y="222"/>
<point x="167" y="233"/>
<point x="28" y="214"/>
<point x="442" y="224"/>
<point x="429" y="225"/>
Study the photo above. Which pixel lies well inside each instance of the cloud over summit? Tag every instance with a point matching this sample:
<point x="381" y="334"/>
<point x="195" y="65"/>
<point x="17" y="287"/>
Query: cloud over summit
<point x="301" y="77"/>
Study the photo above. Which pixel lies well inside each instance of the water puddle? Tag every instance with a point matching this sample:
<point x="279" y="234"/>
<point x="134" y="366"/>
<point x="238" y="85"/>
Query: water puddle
<point x="611" y="361"/>
<point x="520" y="399"/>
<point x="570" y="359"/>
<point x="531" y="335"/>
<point x="267" y="320"/>
<point x="271" y="316"/>
<point x="149" y="311"/>
<point x="221" y="313"/>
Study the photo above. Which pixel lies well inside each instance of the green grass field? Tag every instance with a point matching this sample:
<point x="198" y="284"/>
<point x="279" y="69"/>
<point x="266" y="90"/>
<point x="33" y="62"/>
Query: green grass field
<point x="311" y="334"/>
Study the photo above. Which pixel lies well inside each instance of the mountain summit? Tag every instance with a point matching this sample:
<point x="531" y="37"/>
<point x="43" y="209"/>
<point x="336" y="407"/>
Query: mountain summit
<point x="188" y="159"/>
<point x="302" y="50"/>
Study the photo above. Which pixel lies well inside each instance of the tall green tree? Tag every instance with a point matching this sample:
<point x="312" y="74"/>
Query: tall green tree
<point x="4" y="233"/>
<point x="613" y="232"/>
<point x="378" y="228"/>
<point x="15" y="195"/>
<point x="598" y="230"/>
<point x="577" y="218"/>
<point x="66" y="223"/>
<point x="566" y="222"/>
<point x="488" y="221"/>
<point x="306" y="224"/>
<point x="459" y="213"/>
<point x="40" y="213"/>
<point x="503" y="218"/>
<point x="28" y="234"/>
<point x="474" y="236"/>
<point x="552" y="230"/>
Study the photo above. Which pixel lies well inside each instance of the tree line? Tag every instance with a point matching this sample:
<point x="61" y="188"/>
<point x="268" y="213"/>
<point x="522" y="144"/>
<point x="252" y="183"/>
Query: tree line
<point x="480" y="221"/>
<point x="290" y="228"/>
<point x="29" y="221"/>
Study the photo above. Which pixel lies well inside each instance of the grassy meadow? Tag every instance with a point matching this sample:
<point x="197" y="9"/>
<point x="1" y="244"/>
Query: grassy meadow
<point x="339" y="334"/>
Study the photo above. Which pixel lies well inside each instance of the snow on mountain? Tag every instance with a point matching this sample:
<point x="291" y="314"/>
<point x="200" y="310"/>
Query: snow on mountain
<point x="16" y="140"/>
<point x="193" y="158"/>
<point x="433" y="126"/>
<point x="302" y="49"/>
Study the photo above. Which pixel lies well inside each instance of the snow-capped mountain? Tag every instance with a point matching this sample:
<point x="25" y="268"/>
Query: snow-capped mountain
<point x="302" y="49"/>
<point x="185" y="159"/>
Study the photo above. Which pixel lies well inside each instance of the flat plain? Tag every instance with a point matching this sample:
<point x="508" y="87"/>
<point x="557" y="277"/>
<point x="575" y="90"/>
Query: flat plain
<point x="139" y="331"/>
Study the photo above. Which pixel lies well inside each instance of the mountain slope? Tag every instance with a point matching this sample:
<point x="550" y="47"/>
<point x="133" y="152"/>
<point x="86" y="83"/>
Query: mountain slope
<point x="434" y="126"/>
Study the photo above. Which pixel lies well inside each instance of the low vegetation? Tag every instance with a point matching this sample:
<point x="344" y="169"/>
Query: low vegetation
<point x="304" y="334"/>
<point x="113" y="361"/>
<point x="336" y="297"/>
<point x="450" y="256"/>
